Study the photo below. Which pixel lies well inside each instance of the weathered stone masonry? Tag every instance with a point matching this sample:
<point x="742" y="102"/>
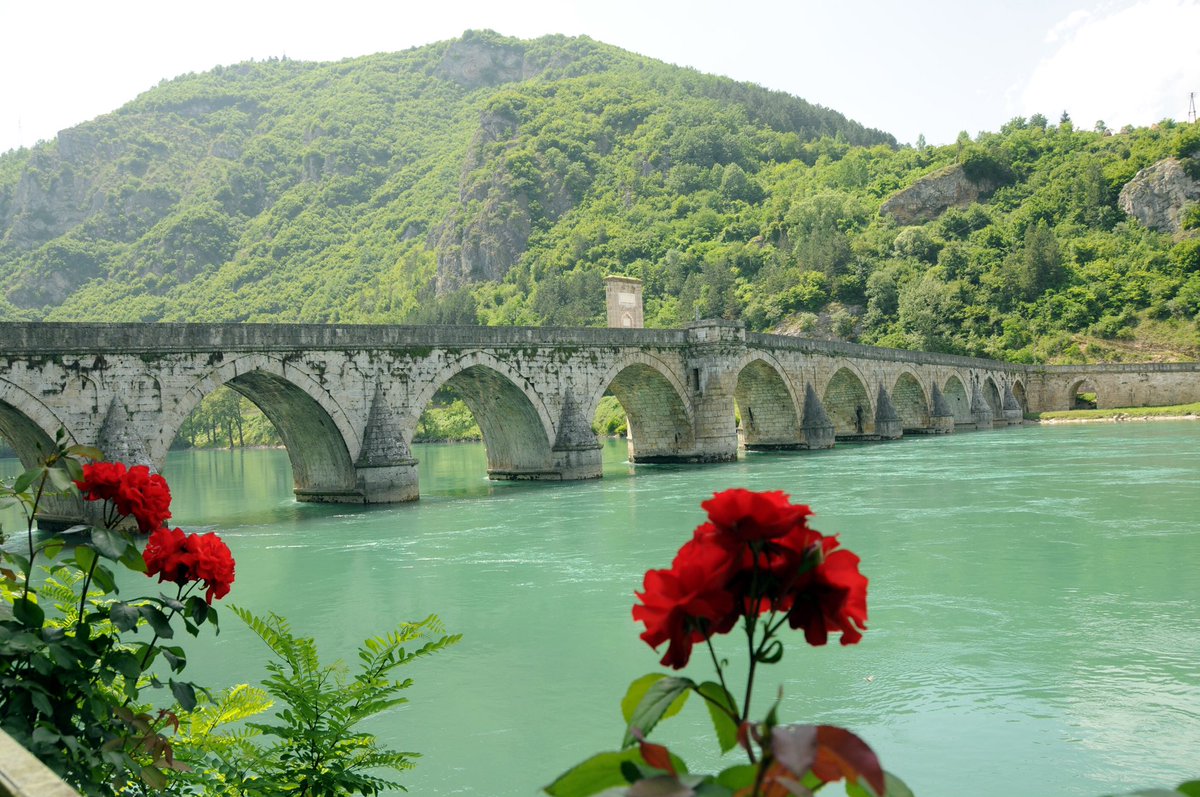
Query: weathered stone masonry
<point x="346" y="399"/>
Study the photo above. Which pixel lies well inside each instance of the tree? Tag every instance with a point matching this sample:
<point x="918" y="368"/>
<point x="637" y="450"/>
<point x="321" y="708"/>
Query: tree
<point x="1041" y="261"/>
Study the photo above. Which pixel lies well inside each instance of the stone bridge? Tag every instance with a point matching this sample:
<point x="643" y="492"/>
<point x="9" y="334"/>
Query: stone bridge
<point x="346" y="399"/>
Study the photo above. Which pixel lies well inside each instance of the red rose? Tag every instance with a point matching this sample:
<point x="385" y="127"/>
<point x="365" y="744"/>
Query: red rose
<point x="177" y="557"/>
<point x="831" y="597"/>
<point x="145" y="496"/>
<point x="101" y="480"/>
<point x="214" y="564"/>
<point x="750" y="516"/>
<point x="167" y="556"/>
<point x="135" y="492"/>
<point x="789" y="558"/>
<point x="684" y="605"/>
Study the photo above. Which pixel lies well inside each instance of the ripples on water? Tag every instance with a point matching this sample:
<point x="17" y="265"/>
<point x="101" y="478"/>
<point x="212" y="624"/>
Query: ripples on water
<point x="1035" y="604"/>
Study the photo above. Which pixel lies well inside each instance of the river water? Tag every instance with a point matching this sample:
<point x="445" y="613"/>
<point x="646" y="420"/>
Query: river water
<point x="1034" y="604"/>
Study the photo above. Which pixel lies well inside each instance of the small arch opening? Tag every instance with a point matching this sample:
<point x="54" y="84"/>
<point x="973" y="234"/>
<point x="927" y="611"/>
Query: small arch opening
<point x="909" y="399"/>
<point x="848" y="405"/>
<point x="657" y="428"/>
<point x="1084" y="396"/>
<point x="767" y="418"/>
<point x="509" y="425"/>
<point x="1018" y="390"/>
<point x="956" y="396"/>
<point x="992" y="394"/>
<point x="259" y="408"/>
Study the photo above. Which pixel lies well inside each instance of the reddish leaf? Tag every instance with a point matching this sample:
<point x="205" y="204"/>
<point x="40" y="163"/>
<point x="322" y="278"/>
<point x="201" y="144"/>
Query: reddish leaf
<point x="658" y="757"/>
<point x="842" y="754"/>
<point x="663" y="786"/>
<point x="776" y="782"/>
<point x="795" y="747"/>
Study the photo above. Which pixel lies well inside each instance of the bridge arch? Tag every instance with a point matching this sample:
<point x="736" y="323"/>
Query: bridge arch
<point x="768" y="403"/>
<point x="848" y="404"/>
<point x="911" y="403"/>
<point x="321" y="441"/>
<point x="27" y="424"/>
<point x="656" y="404"/>
<point x="991" y="394"/>
<point x="1018" y="389"/>
<point x="956" y="396"/>
<point x="1083" y="394"/>
<point x="517" y="430"/>
<point x="29" y="427"/>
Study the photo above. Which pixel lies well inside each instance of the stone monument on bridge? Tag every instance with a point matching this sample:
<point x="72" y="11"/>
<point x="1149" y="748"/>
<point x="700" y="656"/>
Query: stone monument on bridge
<point x="624" y="300"/>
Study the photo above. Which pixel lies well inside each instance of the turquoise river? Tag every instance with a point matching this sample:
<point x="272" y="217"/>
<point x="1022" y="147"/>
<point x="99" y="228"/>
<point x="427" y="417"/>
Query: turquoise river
<point x="1034" y="604"/>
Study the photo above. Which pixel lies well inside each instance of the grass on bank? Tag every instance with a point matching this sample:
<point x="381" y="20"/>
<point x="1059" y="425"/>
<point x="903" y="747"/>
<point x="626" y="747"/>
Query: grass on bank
<point x="1176" y="410"/>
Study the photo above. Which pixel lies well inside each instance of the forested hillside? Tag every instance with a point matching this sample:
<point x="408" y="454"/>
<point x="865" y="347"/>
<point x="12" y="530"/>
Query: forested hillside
<point x="496" y="181"/>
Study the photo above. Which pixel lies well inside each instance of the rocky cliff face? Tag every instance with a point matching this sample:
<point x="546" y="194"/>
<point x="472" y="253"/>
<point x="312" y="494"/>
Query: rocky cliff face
<point x="488" y="229"/>
<point x="933" y="195"/>
<point x="1157" y="195"/>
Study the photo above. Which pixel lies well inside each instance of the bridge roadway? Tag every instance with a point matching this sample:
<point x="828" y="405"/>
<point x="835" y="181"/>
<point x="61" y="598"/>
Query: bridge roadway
<point x="346" y="399"/>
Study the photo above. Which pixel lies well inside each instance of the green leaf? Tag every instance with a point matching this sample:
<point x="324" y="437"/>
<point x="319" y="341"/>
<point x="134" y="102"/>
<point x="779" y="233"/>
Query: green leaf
<point x="25" y="479"/>
<point x="664" y="698"/>
<point x="85" y="557"/>
<point x="52" y="548"/>
<point x="636" y="691"/>
<point x="725" y="726"/>
<point x="123" y="616"/>
<point x="197" y="609"/>
<point x="128" y="664"/>
<point x="45" y="737"/>
<point x="86" y="452"/>
<point x="42" y="703"/>
<point x="109" y="543"/>
<point x="739" y="777"/>
<point x="600" y="772"/>
<point x="59" y="479"/>
<point x="1191" y="788"/>
<point x="157" y="620"/>
<point x="27" y="612"/>
<point x="73" y="468"/>
<point x="184" y="693"/>
<point x="897" y="787"/>
<point x="175" y="656"/>
<point x="132" y="559"/>
<point x="19" y="560"/>
<point x="102" y="577"/>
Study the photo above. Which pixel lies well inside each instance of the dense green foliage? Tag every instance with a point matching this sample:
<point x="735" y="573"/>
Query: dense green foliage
<point x="490" y="180"/>
<point x="314" y="744"/>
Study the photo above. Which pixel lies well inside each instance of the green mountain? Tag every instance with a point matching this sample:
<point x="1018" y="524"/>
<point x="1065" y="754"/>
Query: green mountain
<point x="493" y="180"/>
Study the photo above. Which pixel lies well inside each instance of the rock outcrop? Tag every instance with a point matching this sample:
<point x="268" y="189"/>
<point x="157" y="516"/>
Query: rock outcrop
<point x="1157" y="195"/>
<point x="933" y="194"/>
<point x="488" y="230"/>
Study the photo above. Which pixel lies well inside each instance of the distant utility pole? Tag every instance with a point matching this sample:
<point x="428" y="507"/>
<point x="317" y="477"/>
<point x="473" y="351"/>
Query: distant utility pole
<point x="1192" y="107"/>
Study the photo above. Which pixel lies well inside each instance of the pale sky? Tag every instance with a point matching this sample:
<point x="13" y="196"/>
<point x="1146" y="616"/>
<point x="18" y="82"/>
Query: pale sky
<point x="906" y="66"/>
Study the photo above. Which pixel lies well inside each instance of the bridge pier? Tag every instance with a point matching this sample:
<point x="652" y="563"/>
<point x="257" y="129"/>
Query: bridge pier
<point x="1013" y="414"/>
<point x="941" y="417"/>
<point x="981" y="411"/>
<point x="888" y="425"/>
<point x="387" y="484"/>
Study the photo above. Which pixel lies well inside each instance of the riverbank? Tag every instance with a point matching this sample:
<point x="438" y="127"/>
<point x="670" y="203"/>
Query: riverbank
<point x="1178" y="412"/>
